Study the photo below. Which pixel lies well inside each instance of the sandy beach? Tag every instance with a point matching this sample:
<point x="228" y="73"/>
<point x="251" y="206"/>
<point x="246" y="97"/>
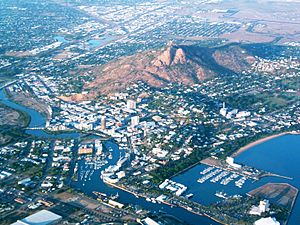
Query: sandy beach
<point x="245" y="148"/>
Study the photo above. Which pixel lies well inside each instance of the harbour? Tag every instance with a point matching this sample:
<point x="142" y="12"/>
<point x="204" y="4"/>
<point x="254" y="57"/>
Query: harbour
<point x="263" y="157"/>
<point x="89" y="177"/>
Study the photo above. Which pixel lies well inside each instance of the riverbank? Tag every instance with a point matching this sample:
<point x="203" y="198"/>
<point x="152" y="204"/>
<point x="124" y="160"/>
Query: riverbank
<point x="248" y="146"/>
<point x="28" y="100"/>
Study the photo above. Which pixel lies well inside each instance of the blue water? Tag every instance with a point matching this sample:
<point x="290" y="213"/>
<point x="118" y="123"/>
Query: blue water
<point x="36" y="120"/>
<point x="96" y="184"/>
<point x="61" y="39"/>
<point x="280" y="156"/>
<point x="99" y="42"/>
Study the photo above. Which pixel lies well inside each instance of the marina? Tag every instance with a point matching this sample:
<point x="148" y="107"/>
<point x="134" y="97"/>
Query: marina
<point x="208" y="176"/>
<point x="219" y="177"/>
<point x="207" y="170"/>
<point x="238" y="184"/>
<point x="227" y="180"/>
<point x="216" y="175"/>
<point x="88" y="180"/>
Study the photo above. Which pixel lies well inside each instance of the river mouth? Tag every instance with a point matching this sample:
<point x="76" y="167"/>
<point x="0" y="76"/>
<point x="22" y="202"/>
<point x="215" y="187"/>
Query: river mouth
<point x="95" y="183"/>
<point x="270" y="156"/>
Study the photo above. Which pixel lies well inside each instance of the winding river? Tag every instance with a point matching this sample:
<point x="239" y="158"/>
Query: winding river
<point x="36" y="120"/>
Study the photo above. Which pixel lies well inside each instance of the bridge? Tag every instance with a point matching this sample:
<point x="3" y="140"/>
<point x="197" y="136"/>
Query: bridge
<point x="35" y="128"/>
<point x="14" y="81"/>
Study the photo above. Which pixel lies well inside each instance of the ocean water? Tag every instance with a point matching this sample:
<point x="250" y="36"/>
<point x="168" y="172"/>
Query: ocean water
<point x="280" y="155"/>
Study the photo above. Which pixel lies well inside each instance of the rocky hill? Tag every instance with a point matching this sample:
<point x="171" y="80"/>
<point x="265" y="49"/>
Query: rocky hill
<point x="185" y="64"/>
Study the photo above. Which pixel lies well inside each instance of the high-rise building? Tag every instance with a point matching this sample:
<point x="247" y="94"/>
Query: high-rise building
<point x="131" y="104"/>
<point x="145" y="129"/>
<point x="135" y="120"/>
<point x="264" y="205"/>
<point x="103" y="123"/>
<point x="98" y="147"/>
<point x="223" y="110"/>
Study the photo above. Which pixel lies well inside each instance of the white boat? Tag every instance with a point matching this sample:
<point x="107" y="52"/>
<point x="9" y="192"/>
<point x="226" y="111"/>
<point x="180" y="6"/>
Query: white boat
<point x="189" y="195"/>
<point x="221" y="194"/>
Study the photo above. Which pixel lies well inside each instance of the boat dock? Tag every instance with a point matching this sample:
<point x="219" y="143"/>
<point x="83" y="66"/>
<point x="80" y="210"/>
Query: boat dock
<point x="244" y="171"/>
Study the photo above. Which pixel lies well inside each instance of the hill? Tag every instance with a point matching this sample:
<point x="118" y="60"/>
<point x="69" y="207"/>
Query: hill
<point x="183" y="64"/>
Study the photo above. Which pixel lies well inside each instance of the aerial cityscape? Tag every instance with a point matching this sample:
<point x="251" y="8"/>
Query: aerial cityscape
<point x="152" y="112"/>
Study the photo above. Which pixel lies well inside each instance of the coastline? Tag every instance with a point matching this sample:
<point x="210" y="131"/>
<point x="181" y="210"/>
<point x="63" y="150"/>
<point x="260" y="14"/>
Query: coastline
<point x="260" y="141"/>
<point x="242" y="149"/>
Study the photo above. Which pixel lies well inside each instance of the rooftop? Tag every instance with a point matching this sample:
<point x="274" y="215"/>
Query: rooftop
<point x="43" y="217"/>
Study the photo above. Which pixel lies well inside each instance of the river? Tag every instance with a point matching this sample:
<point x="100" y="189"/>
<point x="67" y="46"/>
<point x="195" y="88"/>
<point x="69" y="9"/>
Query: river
<point x="280" y="155"/>
<point x="36" y="120"/>
<point x="96" y="184"/>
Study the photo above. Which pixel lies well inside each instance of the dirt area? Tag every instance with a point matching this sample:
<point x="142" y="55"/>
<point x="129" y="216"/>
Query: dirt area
<point x="11" y="117"/>
<point x="278" y="193"/>
<point x="64" y="55"/>
<point x="243" y="36"/>
<point x="263" y="21"/>
<point x="99" y="209"/>
<point x="211" y="162"/>
<point x="28" y="100"/>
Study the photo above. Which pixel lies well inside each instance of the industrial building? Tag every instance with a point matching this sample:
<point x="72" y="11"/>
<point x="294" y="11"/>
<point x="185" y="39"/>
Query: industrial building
<point x="43" y="217"/>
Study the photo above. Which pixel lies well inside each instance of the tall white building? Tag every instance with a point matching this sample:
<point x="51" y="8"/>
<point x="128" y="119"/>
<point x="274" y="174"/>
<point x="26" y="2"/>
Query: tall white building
<point x="264" y="206"/>
<point x="131" y="104"/>
<point x="103" y="123"/>
<point x="98" y="147"/>
<point x="231" y="162"/>
<point x="135" y="120"/>
<point x="223" y="110"/>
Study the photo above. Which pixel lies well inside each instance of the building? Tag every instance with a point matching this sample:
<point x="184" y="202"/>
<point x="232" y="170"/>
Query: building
<point x="230" y="162"/>
<point x="84" y="151"/>
<point x="264" y="206"/>
<point x="103" y="123"/>
<point x="98" y="147"/>
<point x="242" y="114"/>
<point x="43" y="217"/>
<point x="131" y="104"/>
<point x="135" y="120"/>
<point x="267" y="221"/>
<point x="115" y="204"/>
<point x="261" y="208"/>
<point x="223" y="110"/>
<point x="148" y="221"/>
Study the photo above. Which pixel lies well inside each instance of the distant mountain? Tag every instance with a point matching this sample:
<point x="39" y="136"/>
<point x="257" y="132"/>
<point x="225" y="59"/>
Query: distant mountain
<point x="184" y="64"/>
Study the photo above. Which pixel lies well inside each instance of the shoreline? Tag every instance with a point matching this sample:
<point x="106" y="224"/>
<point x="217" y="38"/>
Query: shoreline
<point x="260" y="141"/>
